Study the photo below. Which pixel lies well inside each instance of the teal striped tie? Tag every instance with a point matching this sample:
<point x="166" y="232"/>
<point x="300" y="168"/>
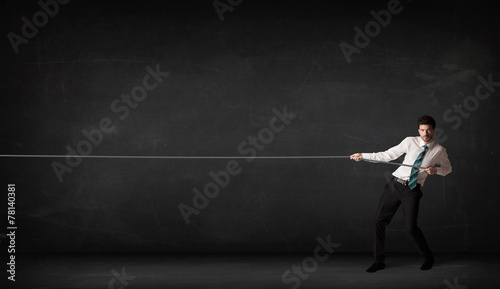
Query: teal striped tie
<point x="412" y="182"/>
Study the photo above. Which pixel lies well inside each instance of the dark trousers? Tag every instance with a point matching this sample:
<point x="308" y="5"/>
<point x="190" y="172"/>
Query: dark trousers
<point x="394" y="195"/>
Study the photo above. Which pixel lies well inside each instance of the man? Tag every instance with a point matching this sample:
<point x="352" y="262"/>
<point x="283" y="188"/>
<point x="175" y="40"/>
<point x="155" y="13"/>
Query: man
<point x="404" y="188"/>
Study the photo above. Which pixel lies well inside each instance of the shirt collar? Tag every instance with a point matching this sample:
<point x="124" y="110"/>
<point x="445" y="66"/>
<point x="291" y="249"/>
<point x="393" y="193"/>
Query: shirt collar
<point x="421" y="143"/>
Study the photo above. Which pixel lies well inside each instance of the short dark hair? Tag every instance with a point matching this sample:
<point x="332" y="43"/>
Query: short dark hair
<point x="425" y="119"/>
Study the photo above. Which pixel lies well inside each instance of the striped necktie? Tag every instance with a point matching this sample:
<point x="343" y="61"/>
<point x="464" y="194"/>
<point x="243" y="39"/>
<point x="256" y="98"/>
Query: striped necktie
<point x="412" y="182"/>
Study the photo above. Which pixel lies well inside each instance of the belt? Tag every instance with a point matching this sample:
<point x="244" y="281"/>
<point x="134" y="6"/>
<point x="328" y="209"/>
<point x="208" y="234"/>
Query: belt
<point x="401" y="181"/>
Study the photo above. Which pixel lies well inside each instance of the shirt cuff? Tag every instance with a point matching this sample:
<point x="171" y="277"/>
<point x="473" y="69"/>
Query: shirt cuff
<point x="441" y="171"/>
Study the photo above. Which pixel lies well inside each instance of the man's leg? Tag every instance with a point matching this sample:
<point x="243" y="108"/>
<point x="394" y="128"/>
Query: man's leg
<point x="387" y="207"/>
<point x="411" y="202"/>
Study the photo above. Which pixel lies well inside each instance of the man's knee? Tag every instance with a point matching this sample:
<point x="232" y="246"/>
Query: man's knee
<point x="381" y="222"/>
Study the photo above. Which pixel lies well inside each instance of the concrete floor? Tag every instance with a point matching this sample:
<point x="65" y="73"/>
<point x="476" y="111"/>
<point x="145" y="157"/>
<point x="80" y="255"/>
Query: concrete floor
<point x="340" y="270"/>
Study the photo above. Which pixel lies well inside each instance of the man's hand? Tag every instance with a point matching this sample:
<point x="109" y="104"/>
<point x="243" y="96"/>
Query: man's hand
<point x="357" y="157"/>
<point x="431" y="170"/>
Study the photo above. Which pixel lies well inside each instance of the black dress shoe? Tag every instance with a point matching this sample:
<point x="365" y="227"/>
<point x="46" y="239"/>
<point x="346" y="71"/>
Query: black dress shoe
<point x="427" y="264"/>
<point x="375" y="267"/>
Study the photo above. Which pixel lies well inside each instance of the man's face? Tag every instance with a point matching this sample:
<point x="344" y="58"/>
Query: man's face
<point x="426" y="132"/>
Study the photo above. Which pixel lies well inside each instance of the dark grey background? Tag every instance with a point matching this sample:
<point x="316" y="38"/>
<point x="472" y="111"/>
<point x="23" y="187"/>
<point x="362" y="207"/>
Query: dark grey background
<point x="225" y="79"/>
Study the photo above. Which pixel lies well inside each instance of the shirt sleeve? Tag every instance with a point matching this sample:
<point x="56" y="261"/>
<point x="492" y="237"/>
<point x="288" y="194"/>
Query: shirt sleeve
<point x="444" y="162"/>
<point x="390" y="154"/>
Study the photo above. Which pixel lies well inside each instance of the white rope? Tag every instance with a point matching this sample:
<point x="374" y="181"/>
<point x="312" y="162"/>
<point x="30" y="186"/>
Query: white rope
<point x="172" y="157"/>
<point x="200" y="157"/>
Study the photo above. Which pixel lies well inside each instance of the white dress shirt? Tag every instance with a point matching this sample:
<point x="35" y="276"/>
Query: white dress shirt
<point x="412" y="147"/>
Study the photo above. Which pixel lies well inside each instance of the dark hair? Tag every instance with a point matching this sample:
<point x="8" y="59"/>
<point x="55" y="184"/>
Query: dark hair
<point x="425" y="119"/>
